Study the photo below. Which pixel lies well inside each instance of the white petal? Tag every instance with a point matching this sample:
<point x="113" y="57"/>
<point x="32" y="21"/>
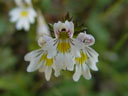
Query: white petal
<point x="42" y="67"/>
<point x="51" y="53"/>
<point x="32" y="15"/>
<point x="60" y="61"/>
<point x="56" y="27"/>
<point x="26" y="25"/>
<point x="69" y="62"/>
<point x="32" y="12"/>
<point x="78" y="44"/>
<point x="59" y="64"/>
<point x="92" y="64"/>
<point x="81" y="37"/>
<point x="75" y="51"/>
<point x="77" y="73"/>
<point x="50" y="48"/>
<point x="92" y="53"/>
<point x="57" y="72"/>
<point x="48" y="72"/>
<point x="86" y="72"/>
<point x="31" y="19"/>
<point x="34" y="65"/>
<point x="19" y="24"/>
<point x="92" y="50"/>
<point x="15" y="12"/>
<point x="76" y="47"/>
<point x="70" y="26"/>
<point x="33" y="54"/>
<point x="93" y="58"/>
<point x="14" y="19"/>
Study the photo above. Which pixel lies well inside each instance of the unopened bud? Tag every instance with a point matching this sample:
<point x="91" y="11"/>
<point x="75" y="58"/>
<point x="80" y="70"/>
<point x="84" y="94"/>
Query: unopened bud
<point x="87" y="39"/>
<point x="43" y="40"/>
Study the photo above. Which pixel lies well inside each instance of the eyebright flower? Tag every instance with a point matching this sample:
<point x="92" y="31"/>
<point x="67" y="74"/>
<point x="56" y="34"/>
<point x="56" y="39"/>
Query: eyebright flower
<point x="88" y="58"/>
<point x="23" y="15"/>
<point x="64" y="52"/>
<point x="42" y="58"/>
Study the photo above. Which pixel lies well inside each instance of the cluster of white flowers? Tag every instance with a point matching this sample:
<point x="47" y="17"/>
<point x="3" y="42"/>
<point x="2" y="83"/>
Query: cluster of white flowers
<point x="64" y="53"/>
<point x="60" y="53"/>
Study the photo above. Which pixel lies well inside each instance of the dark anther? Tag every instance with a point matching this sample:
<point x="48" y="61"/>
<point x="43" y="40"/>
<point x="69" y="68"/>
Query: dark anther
<point x="63" y="30"/>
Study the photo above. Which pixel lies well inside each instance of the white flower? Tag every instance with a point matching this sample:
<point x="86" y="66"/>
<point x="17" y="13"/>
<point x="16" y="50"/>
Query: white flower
<point x="88" y="58"/>
<point x="23" y="16"/>
<point x="42" y="27"/>
<point x="66" y="46"/>
<point x="39" y="59"/>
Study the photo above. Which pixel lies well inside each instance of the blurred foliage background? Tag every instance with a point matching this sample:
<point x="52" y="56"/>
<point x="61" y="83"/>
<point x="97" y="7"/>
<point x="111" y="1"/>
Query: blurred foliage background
<point x="106" y="20"/>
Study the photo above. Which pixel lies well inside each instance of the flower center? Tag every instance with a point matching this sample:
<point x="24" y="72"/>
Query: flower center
<point x="24" y="13"/>
<point x="48" y="62"/>
<point x="82" y="59"/>
<point x="63" y="35"/>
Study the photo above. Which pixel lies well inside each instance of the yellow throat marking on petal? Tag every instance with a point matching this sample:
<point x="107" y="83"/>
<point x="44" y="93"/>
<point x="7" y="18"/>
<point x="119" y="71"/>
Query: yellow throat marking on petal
<point x="82" y="59"/>
<point x="48" y="62"/>
<point x="63" y="47"/>
<point x="43" y="57"/>
<point x="24" y="13"/>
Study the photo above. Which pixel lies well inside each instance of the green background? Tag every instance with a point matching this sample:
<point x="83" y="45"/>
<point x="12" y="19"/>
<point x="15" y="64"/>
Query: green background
<point x="106" y="20"/>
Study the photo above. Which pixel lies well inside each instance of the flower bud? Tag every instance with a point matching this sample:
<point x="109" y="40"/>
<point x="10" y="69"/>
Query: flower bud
<point x="42" y="27"/>
<point x="87" y="39"/>
<point x="43" y="40"/>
